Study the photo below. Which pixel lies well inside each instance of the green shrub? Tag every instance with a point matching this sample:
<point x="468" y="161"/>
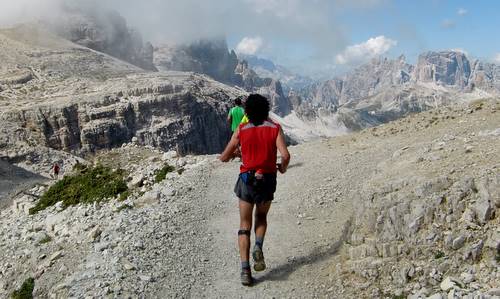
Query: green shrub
<point x="124" y="207"/>
<point x="124" y="195"/>
<point x="162" y="173"/>
<point x="45" y="240"/>
<point x="86" y="186"/>
<point x="26" y="290"/>
<point x="439" y="255"/>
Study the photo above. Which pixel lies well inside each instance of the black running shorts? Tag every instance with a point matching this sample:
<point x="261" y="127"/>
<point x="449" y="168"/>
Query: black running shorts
<point x="249" y="193"/>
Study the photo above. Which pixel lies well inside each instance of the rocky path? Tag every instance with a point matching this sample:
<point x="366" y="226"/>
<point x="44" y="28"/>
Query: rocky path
<point x="300" y="238"/>
<point x="329" y="235"/>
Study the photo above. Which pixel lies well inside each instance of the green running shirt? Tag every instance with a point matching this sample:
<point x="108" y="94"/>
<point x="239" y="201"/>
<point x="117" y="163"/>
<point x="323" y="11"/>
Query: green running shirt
<point x="236" y="114"/>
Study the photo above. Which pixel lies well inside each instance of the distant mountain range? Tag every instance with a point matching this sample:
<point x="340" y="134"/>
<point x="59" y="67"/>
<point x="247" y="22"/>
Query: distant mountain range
<point x="387" y="89"/>
<point x="267" y="69"/>
<point x="371" y="94"/>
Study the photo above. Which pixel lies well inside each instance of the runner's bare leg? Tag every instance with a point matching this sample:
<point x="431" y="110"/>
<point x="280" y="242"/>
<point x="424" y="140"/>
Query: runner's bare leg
<point x="246" y="210"/>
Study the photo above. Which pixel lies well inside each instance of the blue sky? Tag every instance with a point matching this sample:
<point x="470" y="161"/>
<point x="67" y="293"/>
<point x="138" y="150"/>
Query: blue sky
<point x="310" y="36"/>
<point x="413" y="26"/>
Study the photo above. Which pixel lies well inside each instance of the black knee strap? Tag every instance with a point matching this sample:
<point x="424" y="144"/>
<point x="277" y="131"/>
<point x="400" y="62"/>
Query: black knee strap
<point x="244" y="232"/>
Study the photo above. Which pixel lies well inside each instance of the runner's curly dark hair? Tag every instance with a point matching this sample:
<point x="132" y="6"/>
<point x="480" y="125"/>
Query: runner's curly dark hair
<point x="257" y="109"/>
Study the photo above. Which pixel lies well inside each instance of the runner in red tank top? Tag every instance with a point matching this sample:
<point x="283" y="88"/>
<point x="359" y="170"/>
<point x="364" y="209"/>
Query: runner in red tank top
<point x="260" y="140"/>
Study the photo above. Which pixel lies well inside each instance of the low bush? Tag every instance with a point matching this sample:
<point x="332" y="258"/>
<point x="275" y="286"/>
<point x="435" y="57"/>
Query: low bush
<point x="45" y="240"/>
<point x="87" y="185"/>
<point x="26" y="290"/>
<point x="439" y="255"/>
<point x="162" y="173"/>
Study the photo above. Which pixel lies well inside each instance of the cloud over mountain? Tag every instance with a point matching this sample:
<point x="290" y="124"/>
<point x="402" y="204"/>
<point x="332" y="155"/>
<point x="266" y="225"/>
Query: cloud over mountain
<point x="373" y="47"/>
<point x="496" y="59"/>
<point x="249" y="45"/>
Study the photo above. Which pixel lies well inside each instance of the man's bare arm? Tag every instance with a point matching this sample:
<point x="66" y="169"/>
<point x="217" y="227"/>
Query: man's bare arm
<point x="282" y="148"/>
<point x="231" y="147"/>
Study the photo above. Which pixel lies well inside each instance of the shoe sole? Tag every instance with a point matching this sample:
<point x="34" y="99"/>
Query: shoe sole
<point x="259" y="263"/>
<point x="246" y="281"/>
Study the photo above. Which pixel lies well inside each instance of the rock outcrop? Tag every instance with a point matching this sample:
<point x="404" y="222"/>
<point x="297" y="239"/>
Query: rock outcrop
<point x="485" y="76"/>
<point x="213" y="58"/>
<point x="451" y="68"/>
<point x="426" y="226"/>
<point x="210" y="57"/>
<point x="266" y="68"/>
<point x="80" y="100"/>
<point x="384" y="90"/>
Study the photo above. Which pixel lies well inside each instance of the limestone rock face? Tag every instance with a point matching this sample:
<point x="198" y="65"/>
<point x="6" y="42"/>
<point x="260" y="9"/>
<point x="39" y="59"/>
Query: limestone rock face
<point x="213" y="58"/>
<point x="272" y="89"/>
<point x="377" y="75"/>
<point x="246" y="77"/>
<point x="165" y="116"/>
<point x="445" y="68"/>
<point x="266" y="68"/>
<point x="384" y="90"/>
<point x="485" y="76"/>
<point x="210" y="57"/>
<point x="364" y="81"/>
<point x="81" y="101"/>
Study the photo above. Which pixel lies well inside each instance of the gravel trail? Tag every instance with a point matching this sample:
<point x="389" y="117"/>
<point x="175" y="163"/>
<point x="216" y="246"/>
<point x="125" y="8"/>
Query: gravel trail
<point x="306" y="226"/>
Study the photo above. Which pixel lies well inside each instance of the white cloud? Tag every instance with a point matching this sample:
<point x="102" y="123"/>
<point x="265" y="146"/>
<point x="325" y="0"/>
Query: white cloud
<point x="447" y="23"/>
<point x="375" y="46"/>
<point x="20" y="11"/>
<point x="496" y="59"/>
<point x="462" y="11"/>
<point x="313" y="26"/>
<point x="250" y="45"/>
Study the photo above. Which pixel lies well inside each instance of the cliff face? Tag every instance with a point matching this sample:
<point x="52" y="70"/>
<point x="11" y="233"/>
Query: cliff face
<point x="445" y="68"/>
<point x="70" y="103"/>
<point x="165" y="116"/>
<point x="213" y="58"/>
<point x="210" y="57"/>
<point x="485" y="76"/>
<point x="384" y="90"/>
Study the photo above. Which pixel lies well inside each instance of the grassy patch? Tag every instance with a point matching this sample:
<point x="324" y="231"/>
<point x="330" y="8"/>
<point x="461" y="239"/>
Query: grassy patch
<point x="87" y="185"/>
<point x="124" y="195"/>
<point x="162" y="173"/>
<point x="45" y="240"/>
<point x="124" y="207"/>
<point x="26" y="290"/>
<point x="438" y="255"/>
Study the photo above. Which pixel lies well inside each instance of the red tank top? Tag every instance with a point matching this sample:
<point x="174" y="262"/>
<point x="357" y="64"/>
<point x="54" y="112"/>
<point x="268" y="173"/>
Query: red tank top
<point x="258" y="146"/>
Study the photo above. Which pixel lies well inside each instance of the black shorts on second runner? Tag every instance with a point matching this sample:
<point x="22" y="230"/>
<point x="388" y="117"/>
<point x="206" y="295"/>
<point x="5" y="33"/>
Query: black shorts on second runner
<point x="249" y="193"/>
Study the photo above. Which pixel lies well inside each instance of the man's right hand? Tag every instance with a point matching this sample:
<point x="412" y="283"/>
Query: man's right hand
<point x="280" y="168"/>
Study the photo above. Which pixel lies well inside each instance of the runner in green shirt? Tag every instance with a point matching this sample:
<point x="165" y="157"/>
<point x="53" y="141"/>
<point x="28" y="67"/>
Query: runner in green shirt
<point x="235" y="115"/>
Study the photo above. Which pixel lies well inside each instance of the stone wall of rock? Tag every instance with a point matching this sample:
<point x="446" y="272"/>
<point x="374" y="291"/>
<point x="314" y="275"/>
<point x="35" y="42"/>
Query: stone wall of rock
<point x="445" y="68"/>
<point x="171" y="119"/>
<point x="429" y="225"/>
<point x="210" y="57"/>
<point x="213" y="58"/>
